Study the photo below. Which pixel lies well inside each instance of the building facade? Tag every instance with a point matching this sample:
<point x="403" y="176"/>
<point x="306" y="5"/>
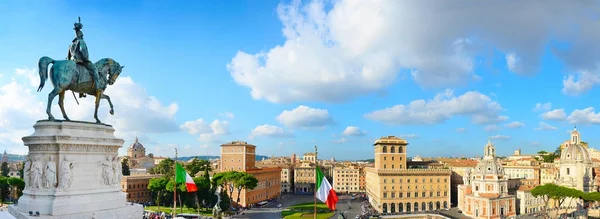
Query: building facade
<point x="346" y="179"/>
<point x="304" y="178"/>
<point x="485" y="192"/>
<point x="136" y="187"/>
<point x="241" y="156"/>
<point x="392" y="187"/>
<point x="287" y="179"/>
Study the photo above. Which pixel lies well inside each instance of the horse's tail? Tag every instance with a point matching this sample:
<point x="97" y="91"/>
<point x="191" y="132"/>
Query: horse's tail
<point x="43" y="70"/>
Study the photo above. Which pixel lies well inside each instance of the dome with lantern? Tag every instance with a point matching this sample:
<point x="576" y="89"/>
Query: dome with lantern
<point x="575" y="153"/>
<point x="489" y="165"/>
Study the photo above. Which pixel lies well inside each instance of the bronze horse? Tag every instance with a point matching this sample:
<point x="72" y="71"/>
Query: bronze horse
<point x="67" y="75"/>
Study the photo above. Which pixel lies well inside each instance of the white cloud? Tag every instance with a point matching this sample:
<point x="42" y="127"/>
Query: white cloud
<point x="512" y="62"/>
<point x="228" y="115"/>
<point x="207" y="132"/>
<point x="135" y="111"/>
<point x="349" y="48"/>
<point x="479" y="107"/>
<point x="340" y="140"/>
<point x="491" y="128"/>
<point x="542" y="126"/>
<point x="535" y="143"/>
<point x="555" y="115"/>
<point x="353" y="131"/>
<point x="461" y="129"/>
<point x="542" y="107"/>
<point x="514" y="125"/>
<point x="408" y="136"/>
<point x="270" y="131"/>
<point x="305" y="117"/>
<point x="580" y="82"/>
<point x="584" y="116"/>
<point x="500" y="137"/>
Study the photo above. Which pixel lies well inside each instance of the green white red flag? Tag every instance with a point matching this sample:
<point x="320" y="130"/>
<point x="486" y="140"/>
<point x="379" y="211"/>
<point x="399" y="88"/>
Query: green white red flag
<point x="325" y="192"/>
<point x="181" y="176"/>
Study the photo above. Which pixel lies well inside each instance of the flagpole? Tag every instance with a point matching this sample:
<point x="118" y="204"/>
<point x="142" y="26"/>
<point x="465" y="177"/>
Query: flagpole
<point x="175" y="186"/>
<point x="315" y="189"/>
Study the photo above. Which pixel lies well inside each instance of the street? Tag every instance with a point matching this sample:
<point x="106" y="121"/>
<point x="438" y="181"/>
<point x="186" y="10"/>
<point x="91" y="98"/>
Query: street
<point x="270" y="211"/>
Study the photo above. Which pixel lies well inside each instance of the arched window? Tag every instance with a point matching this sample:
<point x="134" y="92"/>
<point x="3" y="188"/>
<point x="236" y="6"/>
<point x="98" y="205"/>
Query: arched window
<point x="384" y="208"/>
<point x="400" y="207"/>
<point x="384" y="149"/>
<point x="430" y="206"/>
<point x="392" y="149"/>
<point x="423" y="206"/>
<point x="393" y="208"/>
<point x="416" y="206"/>
<point x="445" y="204"/>
<point x="568" y="171"/>
<point x="408" y="206"/>
<point x="437" y="205"/>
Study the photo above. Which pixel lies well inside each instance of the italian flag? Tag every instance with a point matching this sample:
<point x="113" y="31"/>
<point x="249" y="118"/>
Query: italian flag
<point x="181" y="176"/>
<point x="325" y="192"/>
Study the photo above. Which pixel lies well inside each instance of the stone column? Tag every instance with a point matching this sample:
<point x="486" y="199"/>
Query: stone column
<point x="72" y="171"/>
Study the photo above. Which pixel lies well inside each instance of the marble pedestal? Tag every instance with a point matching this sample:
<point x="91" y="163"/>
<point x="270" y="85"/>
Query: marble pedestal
<point x="72" y="171"/>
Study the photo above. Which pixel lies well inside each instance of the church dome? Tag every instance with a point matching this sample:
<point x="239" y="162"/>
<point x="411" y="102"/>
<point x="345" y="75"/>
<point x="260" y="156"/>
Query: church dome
<point x="136" y="145"/>
<point x="575" y="153"/>
<point x="489" y="165"/>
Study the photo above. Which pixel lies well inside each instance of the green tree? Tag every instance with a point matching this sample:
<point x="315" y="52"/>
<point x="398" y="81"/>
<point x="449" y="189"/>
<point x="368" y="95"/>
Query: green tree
<point x="17" y="185"/>
<point x="125" y="167"/>
<point x="557" y="151"/>
<point x="245" y="181"/>
<point x="544" y="191"/>
<point x="158" y="186"/>
<point x="180" y="189"/>
<point x="4" y="168"/>
<point x="22" y="169"/>
<point x="542" y="152"/>
<point x="3" y="188"/>
<point x="196" y="165"/>
<point x="203" y="193"/>
<point x="166" y="167"/>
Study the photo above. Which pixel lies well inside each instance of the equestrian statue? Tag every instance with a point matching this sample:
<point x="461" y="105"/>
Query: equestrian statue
<point x="78" y="74"/>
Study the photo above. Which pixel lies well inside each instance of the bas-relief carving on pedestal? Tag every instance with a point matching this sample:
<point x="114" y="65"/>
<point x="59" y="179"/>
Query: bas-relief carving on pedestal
<point x="107" y="171"/>
<point x="66" y="173"/>
<point x="117" y="171"/>
<point x="36" y="172"/>
<point x="27" y="171"/>
<point x="50" y="173"/>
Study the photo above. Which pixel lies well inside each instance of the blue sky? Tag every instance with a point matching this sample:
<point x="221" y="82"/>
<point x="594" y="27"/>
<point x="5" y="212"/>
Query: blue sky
<point x="337" y="74"/>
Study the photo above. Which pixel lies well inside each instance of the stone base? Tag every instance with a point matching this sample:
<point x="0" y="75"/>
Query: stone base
<point x="73" y="171"/>
<point x="127" y="212"/>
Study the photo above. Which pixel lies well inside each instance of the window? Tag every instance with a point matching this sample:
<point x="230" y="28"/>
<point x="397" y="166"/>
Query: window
<point x="392" y="166"/>
<point x="568" y="171"/>
<point x="416" y="194"/>
<point x="384" y="166"/>
<point x="384" y="149"/>
<point x="384" y="158"/>
<point x="423" y="194"/>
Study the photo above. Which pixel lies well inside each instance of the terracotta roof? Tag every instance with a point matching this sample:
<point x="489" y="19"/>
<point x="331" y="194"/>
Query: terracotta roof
<point x="526" y="188"/>
<point x="462" y="163"/>
<point x="487" y="195"/>
<point x="595" y="160"/>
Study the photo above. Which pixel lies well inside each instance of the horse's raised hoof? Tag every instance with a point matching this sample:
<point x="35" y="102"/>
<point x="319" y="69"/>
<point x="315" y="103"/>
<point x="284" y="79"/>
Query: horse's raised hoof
<point x="98" y="121"/>
<point x="112" y="112"/>
<point x="51" y="118"/>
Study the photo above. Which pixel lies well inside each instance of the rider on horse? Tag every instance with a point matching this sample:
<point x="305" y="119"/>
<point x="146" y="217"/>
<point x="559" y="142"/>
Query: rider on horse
<point x="78" y="53"/>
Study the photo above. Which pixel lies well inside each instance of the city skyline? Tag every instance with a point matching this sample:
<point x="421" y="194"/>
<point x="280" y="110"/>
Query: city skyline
<point x="287" y="76"/>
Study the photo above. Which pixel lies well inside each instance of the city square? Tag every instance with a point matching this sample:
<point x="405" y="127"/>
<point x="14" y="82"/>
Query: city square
<point x="298" y="109"/>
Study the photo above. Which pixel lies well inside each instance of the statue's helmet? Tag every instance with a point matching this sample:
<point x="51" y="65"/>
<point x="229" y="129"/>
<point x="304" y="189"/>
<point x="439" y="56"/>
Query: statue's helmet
<point x="78" y="26"/>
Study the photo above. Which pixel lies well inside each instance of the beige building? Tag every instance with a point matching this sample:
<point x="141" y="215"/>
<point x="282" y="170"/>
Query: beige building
<point x="287" y="179"/>
<point x="136" y="187"/>
<point x="136" y="156"/>
<point x="525" y="168"/>
<point x="346" y="179"/>
<point x="485" y="192"/>
<point x="392" y="187"/>
<point x="548" y="173"/>
<point x="240" y="156"/>
<point x="459" y="168"/>
<point x="304" y="178"/>
<point x="527" y="203"/>
<point x="310" y="157"/>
